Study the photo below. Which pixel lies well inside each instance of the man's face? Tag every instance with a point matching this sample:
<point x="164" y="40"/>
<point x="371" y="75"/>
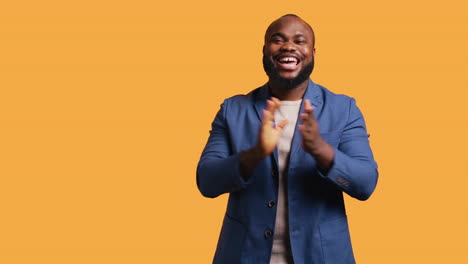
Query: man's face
<point x="288" y="54"/>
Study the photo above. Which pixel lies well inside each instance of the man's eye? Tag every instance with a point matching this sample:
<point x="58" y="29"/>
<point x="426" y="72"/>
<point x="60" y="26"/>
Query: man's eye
<point x="300" y="42"/>
<point x="276" y="40"/>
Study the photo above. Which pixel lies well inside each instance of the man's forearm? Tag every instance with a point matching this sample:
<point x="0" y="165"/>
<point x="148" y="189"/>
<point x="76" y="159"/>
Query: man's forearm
<point x="323" y="156"/>
<point x="249" y="160"/>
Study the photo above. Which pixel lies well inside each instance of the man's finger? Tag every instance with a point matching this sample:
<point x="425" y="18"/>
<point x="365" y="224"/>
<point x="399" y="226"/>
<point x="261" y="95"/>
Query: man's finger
<point x="301" y="128"/>
<point x="267" y="117"/>
<point x="308" y="121"/>
<point x="307" y="118"/>
<point x="281" y="125"/>
<point x="276" y="104"/>
<point x="308" y="106"/>
<point x="270" y="105"/>
<point x="276" y="100"/>
<point x="308" y="111"/>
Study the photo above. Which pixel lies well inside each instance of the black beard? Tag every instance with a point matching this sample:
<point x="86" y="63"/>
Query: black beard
<point x="286" y="83"/>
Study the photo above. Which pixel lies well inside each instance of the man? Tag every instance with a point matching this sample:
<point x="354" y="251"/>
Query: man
<point x="285" y="153"/>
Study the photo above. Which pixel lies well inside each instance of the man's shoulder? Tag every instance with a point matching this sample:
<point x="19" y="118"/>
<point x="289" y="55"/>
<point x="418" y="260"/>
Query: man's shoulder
<point x="331" y="97"/>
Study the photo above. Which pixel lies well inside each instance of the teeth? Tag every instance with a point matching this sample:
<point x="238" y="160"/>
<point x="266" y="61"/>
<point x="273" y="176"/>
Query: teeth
<point x="288" y="59"/>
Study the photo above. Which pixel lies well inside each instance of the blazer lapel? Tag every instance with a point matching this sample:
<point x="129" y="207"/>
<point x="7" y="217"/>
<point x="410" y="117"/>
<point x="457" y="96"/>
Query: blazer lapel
<point x="260" y="100"/>
<point x="314" y="95"/>
<point x="260" y="104"/>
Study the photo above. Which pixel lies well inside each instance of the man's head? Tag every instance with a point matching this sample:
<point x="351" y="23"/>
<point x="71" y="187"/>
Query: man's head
<point x="288" y="52"/>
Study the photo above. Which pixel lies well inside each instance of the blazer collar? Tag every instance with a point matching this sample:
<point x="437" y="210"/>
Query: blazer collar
<point x="312" y="93"/>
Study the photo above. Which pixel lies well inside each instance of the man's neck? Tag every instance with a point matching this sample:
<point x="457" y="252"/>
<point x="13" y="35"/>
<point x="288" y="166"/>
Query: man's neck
<point x="288" y="94"/>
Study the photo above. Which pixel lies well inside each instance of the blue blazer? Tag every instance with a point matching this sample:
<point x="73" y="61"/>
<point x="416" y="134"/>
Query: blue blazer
<point x="318" y="226"/>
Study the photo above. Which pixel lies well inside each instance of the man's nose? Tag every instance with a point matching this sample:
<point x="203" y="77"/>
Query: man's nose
<point x="288" y="46"/>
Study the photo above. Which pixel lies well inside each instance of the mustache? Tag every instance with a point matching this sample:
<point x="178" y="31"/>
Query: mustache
<point x="287" y="83"/>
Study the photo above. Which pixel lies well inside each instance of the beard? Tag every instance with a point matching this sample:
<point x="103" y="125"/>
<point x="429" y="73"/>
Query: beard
<point x="287" y="83"/>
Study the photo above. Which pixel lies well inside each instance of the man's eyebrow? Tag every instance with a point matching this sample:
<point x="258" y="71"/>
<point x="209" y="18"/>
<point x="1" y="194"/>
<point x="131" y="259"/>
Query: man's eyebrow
<point x="277" y="34"/>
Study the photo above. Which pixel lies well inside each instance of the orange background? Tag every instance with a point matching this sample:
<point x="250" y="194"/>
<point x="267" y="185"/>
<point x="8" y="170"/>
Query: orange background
<point x="105" y="107"/>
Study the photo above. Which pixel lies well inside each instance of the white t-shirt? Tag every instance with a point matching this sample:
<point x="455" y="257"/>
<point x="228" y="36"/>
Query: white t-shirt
<point x="281" y="252"/>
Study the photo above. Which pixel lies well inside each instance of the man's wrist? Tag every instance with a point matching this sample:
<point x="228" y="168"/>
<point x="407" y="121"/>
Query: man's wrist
<point x="258" y="153"/>
<point x="324" y="155"/>
<point x="249" y="160"/>
<point x="319" y="148"/>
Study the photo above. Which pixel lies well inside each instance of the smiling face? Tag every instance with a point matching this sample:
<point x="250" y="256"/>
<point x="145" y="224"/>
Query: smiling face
<point x="288" y="53"/>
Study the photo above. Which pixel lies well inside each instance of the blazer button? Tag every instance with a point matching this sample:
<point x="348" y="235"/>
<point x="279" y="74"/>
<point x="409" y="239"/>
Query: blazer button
<point x="268" y="234"/>
<point x="271" y="203"/>
<point x="274" y="173"/>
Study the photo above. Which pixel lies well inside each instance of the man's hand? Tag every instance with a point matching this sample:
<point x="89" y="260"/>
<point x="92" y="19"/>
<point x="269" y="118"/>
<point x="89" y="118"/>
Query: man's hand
<point x="268" y="139"/>
<point x="311" y="140"/>
<point x="269" y="133"/>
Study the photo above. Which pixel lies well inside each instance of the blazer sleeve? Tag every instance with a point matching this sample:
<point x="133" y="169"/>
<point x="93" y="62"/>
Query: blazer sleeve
<point x="218" y="170"/>
<point x="354" y="170"/>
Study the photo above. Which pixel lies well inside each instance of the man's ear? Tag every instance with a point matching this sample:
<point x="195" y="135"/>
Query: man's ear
<point x="263" y="49"/>
<point x="313" y="52"/>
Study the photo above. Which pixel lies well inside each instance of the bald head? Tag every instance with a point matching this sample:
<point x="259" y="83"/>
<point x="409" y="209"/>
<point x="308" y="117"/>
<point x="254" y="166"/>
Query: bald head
<point x="288" y="18"/>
